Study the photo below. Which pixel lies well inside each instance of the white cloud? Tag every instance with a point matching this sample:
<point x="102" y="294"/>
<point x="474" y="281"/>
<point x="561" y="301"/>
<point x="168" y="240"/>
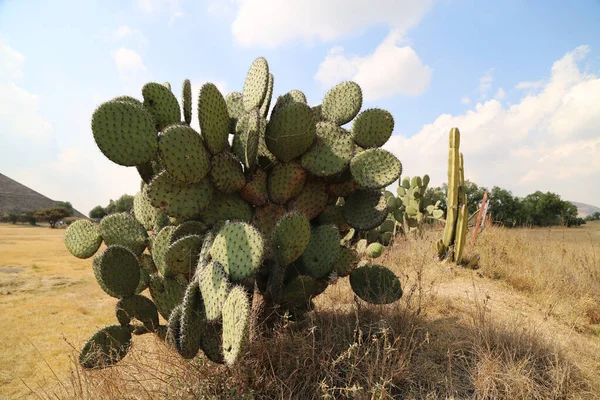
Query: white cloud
<point x="500" y="94"/>
<point x="465" y="100"/>
<point x="169" y="7"/>
<point x="548" y="141"/>
<point x="273" y="22"/>
<point x="19" y="109"/>
<point x="529" y="85"/>
<point x="389" y="70"/>
<point x="129" y="63"/>
<point x="125" y="32"/>
<point x="485" y="83"/>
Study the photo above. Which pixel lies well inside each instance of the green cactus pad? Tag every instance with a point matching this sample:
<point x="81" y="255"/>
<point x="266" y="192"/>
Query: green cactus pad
<point x="150" y="217"/>
<point x="82" y="238"/>
<point x="240" y="248"/>
<point x="183" y="153"/>
<point x="255" y="191"/>
<point x="178" y="199"/>
<point x="211" y="341"/>
<point x="312" y="200"/>
<point x="117" y="271"/>
<point x="106" y="347"/>
<point x="181" y="256"/>
<point x="375" y="284"/>
<point x="286" y="181"/>
<point x="437" y="214"/>
<point x="214" y="118"/>
<point x="387" y="226"/>
<point x="375" y="250"/>
<point x="166" y="293"/>
<point x="236" y="323"/>
<point x="375" y="168"/>
<point x="124" y="133"/>
<point x="346" y="262"/>
<point x="187" y="228"/>
<point x="322" y="250"/>
<point x="173" y="335"/>
<point x="222" y="208"/>
<point x="266" y="104"/>
<point x="265" y="218"/>
<point x="256" y="129"/>
<point x="333" y="214"/>
<point x="162" y="104"/>
<point x="386" y="238"/>
<point x="160" y="246"/>
<point x="372" y="128"/>
<point x="318" y="113"/>
<point x="293" y="96"/>
<point x="191" y="322"/>
<point x="214" y="286"/>
<point x="140" y="308"/>
<point x="290" y="238"/>
<point x="226" y="173"/>
<point x="365" y="209"/>
<point x="256" y="84"/>
<point x="186" y="101"/>
<point x="235" y="109"/>
<point x="299" y="291"/>
<point x="129" y="99"/>
<point x="331" y="153"/>
<point x="144" y="280"/>
<point x="291" y="132"/>
<point x="342" y="189"/>
<point x="342" y="103"/>
<point x="124" y="230"/>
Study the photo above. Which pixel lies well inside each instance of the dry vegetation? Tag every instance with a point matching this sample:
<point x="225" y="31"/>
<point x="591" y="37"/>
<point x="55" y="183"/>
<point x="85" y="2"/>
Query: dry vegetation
<point x="524" y="326"/>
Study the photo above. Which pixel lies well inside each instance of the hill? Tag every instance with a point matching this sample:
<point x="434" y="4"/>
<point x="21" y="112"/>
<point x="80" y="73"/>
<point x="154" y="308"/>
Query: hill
<point x="583" y="210"/>
<point x="18" y="198"/>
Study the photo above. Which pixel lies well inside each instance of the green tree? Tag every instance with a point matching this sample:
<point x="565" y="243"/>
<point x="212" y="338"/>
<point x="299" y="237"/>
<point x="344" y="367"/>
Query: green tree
<point x="474" y="195"/>
<point x="52" y="215"/>
<point x="122" y="204"/>
<point x="97" y="212"/>
<point x="503" y="206"/>
<point x="12" y="218"/>
<point x="66" y="205"/>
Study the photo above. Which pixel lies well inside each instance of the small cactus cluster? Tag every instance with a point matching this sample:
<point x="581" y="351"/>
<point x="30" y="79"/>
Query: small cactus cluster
<point x="451" y="246"/>
<point x="247" y="210"/>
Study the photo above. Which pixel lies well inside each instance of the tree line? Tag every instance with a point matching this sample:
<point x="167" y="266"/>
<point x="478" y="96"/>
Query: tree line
<point x="535" y="209"/>
<point x="122" y="204"/>
<point x="51" y="215"/>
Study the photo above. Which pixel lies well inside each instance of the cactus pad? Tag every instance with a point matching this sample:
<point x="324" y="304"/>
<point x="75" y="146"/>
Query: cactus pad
<point x="375" y="284"/>
<point x="290" y="237"/>
<point x="214" y="286"/>
<point x="342" y="103"/>
<point x="331" y="153"/>
<point x="82" y="238"/>
<point x="266" y="104"/>
<point x="226" y="173"/>
<point x="235" y="109"/>
<point x="181" y="256"/>
<point x="211" y="341"/>
<point x="187" y="228"/>
<point x="160" y="246"/>
<point x="186" y="101"/>
<point x="293" y="96"/>
<point x="173" y="335"/>
<point x="365" y="209"/>
<point x="151" y="218"/>
<point x="299" y="291"/>
<point x="256" y="84"/>
<point x="236" y="323"/>
<point x="125" y="133"/>
<point x="239" y="247"/>
<point x="106" y="347"/>
<point x="140" y="308"/>
<point x="322" y="250"/>
<point x="291" y="132"/>
<point x="183" y="153"/>
<point x="375" y="168"/>
<point x="162" y="104"/>
<point x="255" y="191"/>
<point x="286" y="181"/>
<point x="334" y="215"/>
<point x="346" y="262"/>
<point x="117" y="271"/>
<point x="191" y="321"/>
<point x="372" y="128"/>
<point x="265" y="218"/>
<point x="312" y="200"/>
<point x="124" y="230"/>
<point x="213" y="117"/>
<point x="177" y="199"/>
<point x="166" y="293"/>
<point x="222" y="208"/>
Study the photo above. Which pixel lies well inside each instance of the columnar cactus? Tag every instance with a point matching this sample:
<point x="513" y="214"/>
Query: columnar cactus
<point x="452" y="245"/>
<point x="246" y="208"/>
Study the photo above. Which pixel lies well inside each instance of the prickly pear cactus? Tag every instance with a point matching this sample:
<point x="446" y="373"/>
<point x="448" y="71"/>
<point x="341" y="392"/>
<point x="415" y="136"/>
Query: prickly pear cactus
<point x="248" y="211"/>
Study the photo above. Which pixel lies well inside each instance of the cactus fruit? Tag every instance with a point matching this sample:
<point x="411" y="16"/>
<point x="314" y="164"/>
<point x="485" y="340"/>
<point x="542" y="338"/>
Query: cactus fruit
<point x="214" y="221"/>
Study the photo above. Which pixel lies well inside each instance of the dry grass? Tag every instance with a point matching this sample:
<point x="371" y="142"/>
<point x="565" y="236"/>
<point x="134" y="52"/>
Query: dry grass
<point x="519" y="328"/>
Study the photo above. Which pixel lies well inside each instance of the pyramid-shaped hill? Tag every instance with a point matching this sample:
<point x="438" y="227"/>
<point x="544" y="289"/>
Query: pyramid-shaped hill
<point x="18" y="198"/>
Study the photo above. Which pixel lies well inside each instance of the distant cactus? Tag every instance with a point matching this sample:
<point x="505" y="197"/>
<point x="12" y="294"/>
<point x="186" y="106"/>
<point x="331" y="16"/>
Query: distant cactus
<point x="220" y="225"/>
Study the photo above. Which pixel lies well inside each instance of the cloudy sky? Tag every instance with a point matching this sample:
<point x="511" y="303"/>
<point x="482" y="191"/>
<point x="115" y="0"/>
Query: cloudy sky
<point x="520" y="79"/>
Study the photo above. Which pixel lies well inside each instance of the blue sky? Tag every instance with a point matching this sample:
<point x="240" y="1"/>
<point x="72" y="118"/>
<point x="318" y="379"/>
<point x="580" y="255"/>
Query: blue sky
<point x="518" y="78"/>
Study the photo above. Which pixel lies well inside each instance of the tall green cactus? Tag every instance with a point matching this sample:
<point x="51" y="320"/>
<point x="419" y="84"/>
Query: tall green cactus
<point x="452" y="245"/>
<point x="222" y="223"/>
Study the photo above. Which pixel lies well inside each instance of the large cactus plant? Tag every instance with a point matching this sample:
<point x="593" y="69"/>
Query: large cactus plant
<point x="452" y="245"/>
<point x="247" y="214"/>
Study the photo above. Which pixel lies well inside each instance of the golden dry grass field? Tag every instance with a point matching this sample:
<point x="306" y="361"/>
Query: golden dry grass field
<point x="525" y="325"/>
